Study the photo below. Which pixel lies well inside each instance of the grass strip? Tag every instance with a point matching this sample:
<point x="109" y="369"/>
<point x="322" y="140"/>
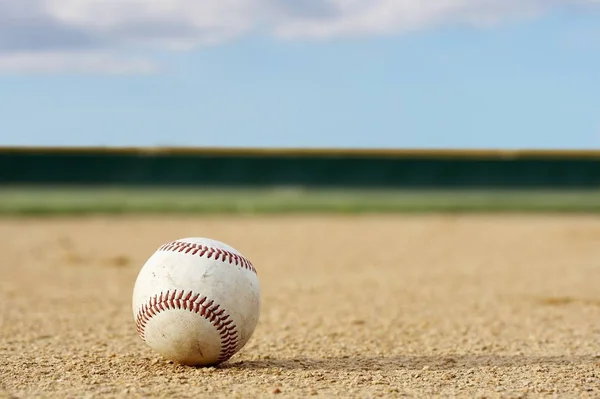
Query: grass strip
<point x="81" y="201"/>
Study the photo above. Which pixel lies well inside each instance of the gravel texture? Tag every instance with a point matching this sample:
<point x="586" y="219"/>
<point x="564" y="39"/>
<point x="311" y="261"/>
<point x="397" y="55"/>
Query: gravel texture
<point x="352" y="306"/>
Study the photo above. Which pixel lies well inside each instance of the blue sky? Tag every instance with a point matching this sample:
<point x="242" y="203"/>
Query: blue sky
<point x="317" y="73"/>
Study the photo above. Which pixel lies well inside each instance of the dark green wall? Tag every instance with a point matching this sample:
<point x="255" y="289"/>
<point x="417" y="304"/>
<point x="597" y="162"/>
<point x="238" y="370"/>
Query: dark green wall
<point x="320" y="169"/>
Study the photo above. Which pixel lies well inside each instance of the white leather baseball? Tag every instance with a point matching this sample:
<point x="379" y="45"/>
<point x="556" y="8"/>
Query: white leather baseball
<point x="196" y="301"/>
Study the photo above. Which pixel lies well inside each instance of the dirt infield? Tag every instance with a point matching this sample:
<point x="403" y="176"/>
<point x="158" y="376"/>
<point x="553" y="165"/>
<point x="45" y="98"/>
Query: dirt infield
<point x="353" y="306"/>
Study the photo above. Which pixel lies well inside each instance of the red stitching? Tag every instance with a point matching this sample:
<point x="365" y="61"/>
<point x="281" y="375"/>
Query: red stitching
<point x="204" y="250"/>
<point x="195" y="304"/>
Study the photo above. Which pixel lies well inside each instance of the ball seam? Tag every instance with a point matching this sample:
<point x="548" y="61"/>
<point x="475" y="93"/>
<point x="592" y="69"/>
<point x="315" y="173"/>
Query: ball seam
<point x="195" y="303"/>
<point x="208" y="252"/>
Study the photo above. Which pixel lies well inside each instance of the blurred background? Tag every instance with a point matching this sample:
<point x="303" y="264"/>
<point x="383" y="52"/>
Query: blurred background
<point x="336" y="95"/>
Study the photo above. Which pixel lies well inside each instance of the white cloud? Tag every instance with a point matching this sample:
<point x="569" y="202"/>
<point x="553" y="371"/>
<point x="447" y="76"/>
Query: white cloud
<point x="79" y="62"/>
<point x="91" y="28"/>
<point x="376" y="17"/>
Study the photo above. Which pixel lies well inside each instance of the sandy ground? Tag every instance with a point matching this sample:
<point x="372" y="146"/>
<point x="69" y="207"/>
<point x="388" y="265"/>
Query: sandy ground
<point x="391" y="306"/>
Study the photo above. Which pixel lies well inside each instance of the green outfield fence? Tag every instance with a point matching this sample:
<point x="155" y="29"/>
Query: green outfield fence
<point x="321" y="168"/>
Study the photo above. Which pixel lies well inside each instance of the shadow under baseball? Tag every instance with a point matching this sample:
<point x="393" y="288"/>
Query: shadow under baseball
<point x="446" y="362"/>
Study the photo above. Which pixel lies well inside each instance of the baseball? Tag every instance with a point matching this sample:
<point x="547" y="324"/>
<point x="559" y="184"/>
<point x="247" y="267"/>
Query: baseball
<point x="196" y="301"/>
